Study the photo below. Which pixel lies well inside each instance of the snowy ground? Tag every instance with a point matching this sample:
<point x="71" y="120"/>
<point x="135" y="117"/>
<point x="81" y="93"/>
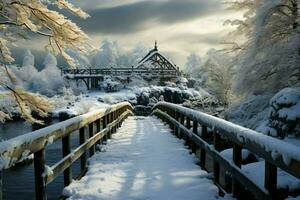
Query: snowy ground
<point x="143" y="161"/>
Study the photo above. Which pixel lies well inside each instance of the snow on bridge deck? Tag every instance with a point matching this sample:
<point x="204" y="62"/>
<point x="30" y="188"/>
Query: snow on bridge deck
<point x="143" y="161"/>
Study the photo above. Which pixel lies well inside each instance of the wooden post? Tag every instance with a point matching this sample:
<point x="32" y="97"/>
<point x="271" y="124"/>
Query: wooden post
<point x="104" y="119"/>
<point x="176" y="128"/>
<point x="91" y="134"/>
<point x="39" y="168"/>
<point x="237" y="159"/>
<point x="114" y="118"/>
<point x="1" y="186"/>
<point x="237" y="155"/>
<point x="181" y="135"/>
<point x="271" y="178"/>
<point x="109" y="122"/>
<point x="188" y="126"/>
<point x="66" y="148"/>
<point x="195" y="131"/>
<point x="217" y="144"/>
<point x="98" y="128"/>
<point x="82" y="139"/>
<point x="202" y="152"/>
<point x="188" y="123"/>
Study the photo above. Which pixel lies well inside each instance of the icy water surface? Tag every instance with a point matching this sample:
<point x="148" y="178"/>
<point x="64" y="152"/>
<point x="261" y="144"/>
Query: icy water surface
<point x="18" y="182"/>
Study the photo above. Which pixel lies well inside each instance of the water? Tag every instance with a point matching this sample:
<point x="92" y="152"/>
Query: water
<point x="18" y="181"/>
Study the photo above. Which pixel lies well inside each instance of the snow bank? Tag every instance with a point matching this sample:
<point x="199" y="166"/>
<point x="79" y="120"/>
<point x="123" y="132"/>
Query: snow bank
<point x="255" y="171"/>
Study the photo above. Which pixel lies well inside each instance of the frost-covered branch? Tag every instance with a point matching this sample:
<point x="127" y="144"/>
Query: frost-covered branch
<point x="20" y="17"/>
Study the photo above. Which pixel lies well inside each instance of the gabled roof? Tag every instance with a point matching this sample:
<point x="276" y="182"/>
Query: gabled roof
<point x="156" y="60"/>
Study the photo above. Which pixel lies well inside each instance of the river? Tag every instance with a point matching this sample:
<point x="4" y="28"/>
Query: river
<point x="18" y="181"/>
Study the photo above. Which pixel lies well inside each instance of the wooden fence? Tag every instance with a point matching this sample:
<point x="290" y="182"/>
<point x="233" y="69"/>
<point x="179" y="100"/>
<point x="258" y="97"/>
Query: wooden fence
<point x="94" y="128"/>
<point x="193" y="127"/>
<point x="120" y="71"/>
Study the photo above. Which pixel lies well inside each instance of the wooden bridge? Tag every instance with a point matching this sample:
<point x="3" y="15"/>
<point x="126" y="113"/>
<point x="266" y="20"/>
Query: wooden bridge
<point x="205" y="135"/>
<point x="154" y="65"/>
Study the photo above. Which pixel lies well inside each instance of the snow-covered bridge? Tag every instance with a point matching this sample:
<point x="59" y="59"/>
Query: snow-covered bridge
<point x="154" y="65"/>
<point x="144" y="159"/>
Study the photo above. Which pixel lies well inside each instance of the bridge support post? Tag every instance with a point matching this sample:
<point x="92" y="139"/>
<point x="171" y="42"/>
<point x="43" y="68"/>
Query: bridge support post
<point x="271" y="178"/>
<point x="108" y="123"/>
<point x="98" y="128"/>
<point x="39" y="169"/>
<point x="104" y="120"/>
<point x="91" y="134"/>
<point x="66" y="148"/>
<point x="181" y="135"/>
<point x="237" y="159"/>
<point x="114" y="118"/>
<point x="83" y="158"/>
<point x="195" y="131"/>
<point x="188" y="126"/>
<point x="217" y="146"/>
<point x="202" y="151"/>
<point x="176" y="128"/>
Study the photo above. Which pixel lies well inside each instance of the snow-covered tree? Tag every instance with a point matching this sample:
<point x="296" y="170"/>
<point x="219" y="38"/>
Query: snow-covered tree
<point x="271" y="50"/>
<point x="111" y="54"/>
<point x="20" y="17"/>
<point x="220" y="75"/>
<point x="193" y="66"/>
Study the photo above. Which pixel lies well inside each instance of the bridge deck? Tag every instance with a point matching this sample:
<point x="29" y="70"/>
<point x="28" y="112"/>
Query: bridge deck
<point x="143" y="161"/>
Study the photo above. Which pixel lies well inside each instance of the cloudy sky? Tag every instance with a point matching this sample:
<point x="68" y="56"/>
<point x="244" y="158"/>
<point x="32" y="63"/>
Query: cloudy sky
<point x="179" y="26"/>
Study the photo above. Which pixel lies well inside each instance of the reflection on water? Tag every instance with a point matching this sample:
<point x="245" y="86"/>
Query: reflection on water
<point x="18" y="181"/>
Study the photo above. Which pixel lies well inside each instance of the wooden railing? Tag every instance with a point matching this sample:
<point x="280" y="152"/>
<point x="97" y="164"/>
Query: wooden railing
<point x="184" y="122"/>
<point x="119" y="71"/>
<point x="94" y="127"/>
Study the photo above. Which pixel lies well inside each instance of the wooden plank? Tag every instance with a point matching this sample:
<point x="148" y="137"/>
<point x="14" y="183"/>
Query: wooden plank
<point x="271" y="178"/>
<point x="39" y="168"/>
<point x="66" y="149"/>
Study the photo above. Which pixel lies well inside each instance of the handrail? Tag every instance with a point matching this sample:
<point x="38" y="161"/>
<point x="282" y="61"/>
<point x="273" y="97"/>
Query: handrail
<point x="272" y="150"/>
<point x="98" y="125"/>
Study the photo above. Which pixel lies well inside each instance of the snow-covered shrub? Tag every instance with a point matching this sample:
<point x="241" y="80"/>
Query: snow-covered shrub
<point x="110" y="85"/>
<point x="284" y="117"/>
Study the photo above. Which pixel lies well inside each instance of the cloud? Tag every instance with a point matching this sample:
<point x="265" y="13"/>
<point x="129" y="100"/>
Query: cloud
<point x="137" y="16"/>
<point x="210" y="39"/>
